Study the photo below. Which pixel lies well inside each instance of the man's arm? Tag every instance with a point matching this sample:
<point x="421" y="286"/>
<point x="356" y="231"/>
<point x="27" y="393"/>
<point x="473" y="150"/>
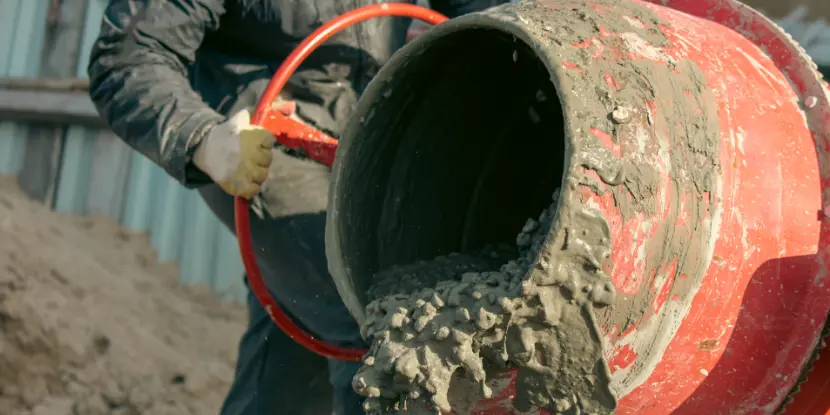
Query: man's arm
<point x="138" y="78"/>
<point x="455" y="8"/>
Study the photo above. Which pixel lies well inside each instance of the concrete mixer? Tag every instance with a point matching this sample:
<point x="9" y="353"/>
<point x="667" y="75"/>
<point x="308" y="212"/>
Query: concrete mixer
<point x="686" y="250"/>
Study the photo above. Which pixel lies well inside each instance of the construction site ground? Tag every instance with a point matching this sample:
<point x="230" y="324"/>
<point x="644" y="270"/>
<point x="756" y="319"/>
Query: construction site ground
<point x="91" y="324"/>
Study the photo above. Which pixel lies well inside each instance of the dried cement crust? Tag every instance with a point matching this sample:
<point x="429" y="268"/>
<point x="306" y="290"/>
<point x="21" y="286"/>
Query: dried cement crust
<point x="537" y="313"/>
<point x="662" y="118"/>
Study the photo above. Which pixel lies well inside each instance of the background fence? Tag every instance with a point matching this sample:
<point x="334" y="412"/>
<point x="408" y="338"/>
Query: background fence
<point x="80" y="167"/>
<point x="85" y="169"/>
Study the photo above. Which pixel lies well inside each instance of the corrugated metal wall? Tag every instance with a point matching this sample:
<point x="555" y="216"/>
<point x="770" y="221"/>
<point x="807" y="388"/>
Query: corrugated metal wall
<point x="22" y="24"/>
<point x="813" y="34"/>
<point x="99" y="175"/>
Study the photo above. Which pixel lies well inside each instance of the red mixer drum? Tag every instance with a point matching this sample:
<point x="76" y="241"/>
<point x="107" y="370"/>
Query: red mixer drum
<point x="697" y="130"/>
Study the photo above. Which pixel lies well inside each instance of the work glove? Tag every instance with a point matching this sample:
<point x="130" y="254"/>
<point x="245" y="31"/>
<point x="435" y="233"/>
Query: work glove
<point x="294" y="185"/>
<point x="236" y="155"/>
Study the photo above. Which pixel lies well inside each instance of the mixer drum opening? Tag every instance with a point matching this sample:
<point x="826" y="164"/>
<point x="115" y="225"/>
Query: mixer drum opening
<point x="701" y="166"/>
<point x="452" y="150"/>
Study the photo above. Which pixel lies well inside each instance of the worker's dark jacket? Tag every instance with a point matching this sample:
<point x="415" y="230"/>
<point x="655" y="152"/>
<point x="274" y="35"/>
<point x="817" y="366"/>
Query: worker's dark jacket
<point x="163" y="72"/>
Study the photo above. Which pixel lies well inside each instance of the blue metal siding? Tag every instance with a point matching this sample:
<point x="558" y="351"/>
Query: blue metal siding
<point x="22" y="24"/>
<point x="100" y="175"/>
<point x="79" y="143"/>
<point x="811" y="33"/>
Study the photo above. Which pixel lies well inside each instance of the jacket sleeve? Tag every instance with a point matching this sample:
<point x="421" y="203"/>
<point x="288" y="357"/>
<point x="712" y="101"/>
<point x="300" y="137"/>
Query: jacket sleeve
<point x="138" y="78"/>
<point x="455" y="8"/>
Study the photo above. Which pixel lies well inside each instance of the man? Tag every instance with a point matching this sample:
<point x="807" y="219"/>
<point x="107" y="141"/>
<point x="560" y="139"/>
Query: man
<point x="175" y="79"/>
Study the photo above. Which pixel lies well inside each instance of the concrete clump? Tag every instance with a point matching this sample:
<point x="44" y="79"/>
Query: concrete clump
<point x="468" y="315"/>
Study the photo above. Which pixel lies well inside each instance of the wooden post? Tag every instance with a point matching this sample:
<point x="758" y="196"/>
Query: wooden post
<point x="59" y="59"/>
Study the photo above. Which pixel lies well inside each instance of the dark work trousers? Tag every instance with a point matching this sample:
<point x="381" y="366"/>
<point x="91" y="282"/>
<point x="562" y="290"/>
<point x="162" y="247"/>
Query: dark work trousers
<point x="274" y="375"/>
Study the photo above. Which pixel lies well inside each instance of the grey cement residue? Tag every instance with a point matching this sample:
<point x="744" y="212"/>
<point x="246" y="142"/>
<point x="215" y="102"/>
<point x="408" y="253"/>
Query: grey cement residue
<point x="537" y="312"/>
<point x="683" y="134"/>
<point x="425" y="275"/>
<point x="530" y="314"/>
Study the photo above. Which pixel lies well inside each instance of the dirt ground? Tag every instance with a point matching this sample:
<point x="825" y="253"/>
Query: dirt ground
<point x="91" y="324"/>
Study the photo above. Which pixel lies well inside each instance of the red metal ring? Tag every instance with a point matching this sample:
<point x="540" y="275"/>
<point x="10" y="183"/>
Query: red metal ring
<point x="242" y="213"/>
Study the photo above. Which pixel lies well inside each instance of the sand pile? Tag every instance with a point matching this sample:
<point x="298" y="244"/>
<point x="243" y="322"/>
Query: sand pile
<point x="90" y="324"/>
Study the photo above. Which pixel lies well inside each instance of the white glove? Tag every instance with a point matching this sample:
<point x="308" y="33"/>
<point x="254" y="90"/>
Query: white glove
<point x="236" y="155"/>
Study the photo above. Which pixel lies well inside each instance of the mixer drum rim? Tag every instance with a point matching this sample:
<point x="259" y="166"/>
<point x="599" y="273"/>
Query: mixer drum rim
<point x="697" y="349"/>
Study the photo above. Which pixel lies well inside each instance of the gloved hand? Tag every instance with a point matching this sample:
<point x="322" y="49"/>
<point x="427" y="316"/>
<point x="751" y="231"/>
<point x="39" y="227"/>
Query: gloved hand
<point x="236" y="155"/>
<point x="279" y="195"/>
